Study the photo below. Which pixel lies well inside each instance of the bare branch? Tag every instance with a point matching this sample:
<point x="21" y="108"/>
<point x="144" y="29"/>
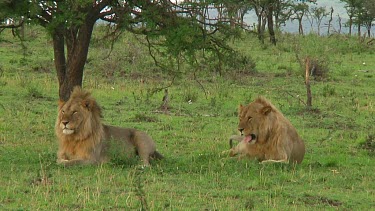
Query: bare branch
<point x="13" y="26"/>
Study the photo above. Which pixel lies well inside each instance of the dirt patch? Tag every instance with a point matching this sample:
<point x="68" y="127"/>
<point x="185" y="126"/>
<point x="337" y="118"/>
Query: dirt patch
<point x="315" y="200"/>
<point x="369" y="144"/>
<point x="144" y="118"/>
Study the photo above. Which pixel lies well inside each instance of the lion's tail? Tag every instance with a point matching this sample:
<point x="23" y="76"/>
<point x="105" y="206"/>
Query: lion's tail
<point x="157" y="155"/>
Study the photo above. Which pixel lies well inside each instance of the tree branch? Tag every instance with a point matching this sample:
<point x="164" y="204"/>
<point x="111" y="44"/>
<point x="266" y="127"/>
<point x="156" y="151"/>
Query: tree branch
<point x="12" y="26"/>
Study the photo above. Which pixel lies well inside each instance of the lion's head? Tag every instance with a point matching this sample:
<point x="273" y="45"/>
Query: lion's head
<point x="79" y="117"/>
<point x="256" y="120"/>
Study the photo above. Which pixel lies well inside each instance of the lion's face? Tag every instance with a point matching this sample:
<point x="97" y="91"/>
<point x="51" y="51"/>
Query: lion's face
<point x="80" y="115"/>
<point x="255" y="120"/>
<point x="70" y="118"/>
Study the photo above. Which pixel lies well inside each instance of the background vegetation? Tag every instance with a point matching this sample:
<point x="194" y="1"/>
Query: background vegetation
<point x="337" y="172"/>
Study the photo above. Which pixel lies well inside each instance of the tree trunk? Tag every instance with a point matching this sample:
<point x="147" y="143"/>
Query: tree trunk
<point x="359" y="30"/>
<point x="60" y="63"/>
<point x="369" y="30"/>
<point x="270" y="24"/>
<point x="300" y="27"/>
<point x="259" y="29"/>
<point x="276" y="14"/>
<point x="70" y="70"/>
<point x="330" y="21"/>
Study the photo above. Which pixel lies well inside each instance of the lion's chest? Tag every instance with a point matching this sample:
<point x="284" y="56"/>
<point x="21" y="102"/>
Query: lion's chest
<point x="78" y="149"/>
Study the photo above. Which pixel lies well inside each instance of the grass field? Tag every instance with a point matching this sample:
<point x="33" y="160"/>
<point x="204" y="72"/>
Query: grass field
<point x="339" y="132"/>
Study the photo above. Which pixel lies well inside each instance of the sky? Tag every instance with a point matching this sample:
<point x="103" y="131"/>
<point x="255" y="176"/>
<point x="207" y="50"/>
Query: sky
<point x="339" y="10"/>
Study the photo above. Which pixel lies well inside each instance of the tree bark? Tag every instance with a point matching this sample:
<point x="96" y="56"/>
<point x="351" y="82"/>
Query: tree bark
<point x="259" y="29"/>
<point x="70" y="61"/>
<point x="340" y="25"/>
<point x="350" y="25"/>
<point x="270" y="24"/>
<point x="60" y="63"/>
<point x="330" y="21"/>
<point x="70" y="67"/>
<point x="359" y="30"/>
<point x="300" y="27"/>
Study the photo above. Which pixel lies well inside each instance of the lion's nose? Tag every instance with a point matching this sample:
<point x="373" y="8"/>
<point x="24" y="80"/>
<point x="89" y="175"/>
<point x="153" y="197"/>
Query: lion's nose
<point x="65" y="122"/>
<point x="240" y="129"/>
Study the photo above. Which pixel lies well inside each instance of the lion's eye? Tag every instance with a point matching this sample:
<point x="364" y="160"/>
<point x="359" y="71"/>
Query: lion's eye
<point x="74" y="112"/>
<point x="63" y="112"/>
<point x="249" y="118"/>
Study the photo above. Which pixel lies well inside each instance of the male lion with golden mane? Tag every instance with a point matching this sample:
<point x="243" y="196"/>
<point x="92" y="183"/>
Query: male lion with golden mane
<point x="267" y="135"/>
<point x="83" y="139"/>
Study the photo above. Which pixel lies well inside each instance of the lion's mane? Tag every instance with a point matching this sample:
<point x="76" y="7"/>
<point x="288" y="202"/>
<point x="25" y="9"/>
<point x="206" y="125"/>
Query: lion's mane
<point x="83" y="115"/>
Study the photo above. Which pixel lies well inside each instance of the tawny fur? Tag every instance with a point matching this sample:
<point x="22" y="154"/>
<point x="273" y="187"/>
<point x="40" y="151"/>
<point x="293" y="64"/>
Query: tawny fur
<point x="276" y="138"/>
<point x="83" y="139"/>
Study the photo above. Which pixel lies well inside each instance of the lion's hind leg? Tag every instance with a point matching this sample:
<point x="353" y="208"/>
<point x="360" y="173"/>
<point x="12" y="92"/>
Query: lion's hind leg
<point x="145" y="147"/>
<point x="276" y="157"/>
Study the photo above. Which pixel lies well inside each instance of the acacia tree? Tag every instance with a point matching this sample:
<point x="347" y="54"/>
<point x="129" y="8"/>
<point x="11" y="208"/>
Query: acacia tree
<point x="361" y="13"/>
<point x="350" y="9"/>
<point x="298" y="12"/>
<point x="259" y="7"/>
<point x="71" y="23"/>
<point x="368" y="15"/>
<point x="356" y="12"/>
<point x="317" y="13"/>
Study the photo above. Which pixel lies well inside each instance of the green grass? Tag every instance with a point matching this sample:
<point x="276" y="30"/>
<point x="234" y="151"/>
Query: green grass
<point x="337" y="173"/>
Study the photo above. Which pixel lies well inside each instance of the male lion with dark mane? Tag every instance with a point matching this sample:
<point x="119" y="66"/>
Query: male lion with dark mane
<point x="83" y="139"/>
<point x="266" y="134"/>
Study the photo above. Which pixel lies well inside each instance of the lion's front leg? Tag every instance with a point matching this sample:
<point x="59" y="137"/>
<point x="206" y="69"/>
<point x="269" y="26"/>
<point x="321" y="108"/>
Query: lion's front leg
<point x="61" y="157"/>
<point x="232" y="152"/>
<point x="241" y="149"/>
<point x="65" y="160"/>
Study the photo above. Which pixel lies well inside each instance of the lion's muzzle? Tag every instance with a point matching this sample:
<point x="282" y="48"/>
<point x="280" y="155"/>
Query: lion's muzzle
<point x="67" y="131"/>
<point x="65" y="128"/>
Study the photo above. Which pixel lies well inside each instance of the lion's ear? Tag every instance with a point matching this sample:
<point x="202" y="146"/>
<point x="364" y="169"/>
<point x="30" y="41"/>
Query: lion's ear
<point x="92" y="106"/>
<point x="88" y="104"/>
<point x="240" y="107"/>
<point x="61" y="104"/>
<point x="266" y="110"/>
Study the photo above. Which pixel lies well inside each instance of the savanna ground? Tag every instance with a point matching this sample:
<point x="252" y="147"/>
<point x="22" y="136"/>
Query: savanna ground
<point x="339" y="131"/>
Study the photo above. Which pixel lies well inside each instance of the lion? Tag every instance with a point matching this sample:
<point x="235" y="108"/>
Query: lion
<point x="266" y="135"/>
<point x="83" y="139"/>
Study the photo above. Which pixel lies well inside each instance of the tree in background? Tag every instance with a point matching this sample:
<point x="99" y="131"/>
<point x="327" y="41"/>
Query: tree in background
<point x="71" y="23"/>
<point x="369" y="15"/>
<point x="361" y="13"/>
<point x="329" y="25"/>
<point x="350" y="6"/>
<point x="282" y="12"/>
<point x="317" y="14"/>
<point x="298" y="12"/>
<point x="264" y="10"/>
